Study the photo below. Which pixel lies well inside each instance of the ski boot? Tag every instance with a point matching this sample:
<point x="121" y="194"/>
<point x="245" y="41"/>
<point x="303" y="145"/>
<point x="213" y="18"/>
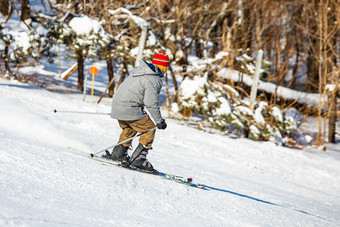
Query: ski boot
<point x="119" y="154"/>
<point x="138" y="159"/>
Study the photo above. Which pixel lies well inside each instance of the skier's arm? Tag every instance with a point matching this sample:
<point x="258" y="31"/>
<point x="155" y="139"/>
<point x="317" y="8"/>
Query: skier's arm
<point x="151" y="98"/>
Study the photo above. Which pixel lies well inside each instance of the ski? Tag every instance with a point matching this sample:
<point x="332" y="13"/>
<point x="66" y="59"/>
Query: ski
<point x="174" y="178"/>
<point x="178" y="179"/>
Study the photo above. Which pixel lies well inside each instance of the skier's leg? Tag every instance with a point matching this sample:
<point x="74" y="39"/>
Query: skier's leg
<point x="138" y="158"/>
<point x="120" y="152"/>
<point x="127" y="133"/>
<point x="144" y="125"/>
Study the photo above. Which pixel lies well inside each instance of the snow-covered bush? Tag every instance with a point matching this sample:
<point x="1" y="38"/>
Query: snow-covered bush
<point x="17" y="44"/>
<point x="82" y="35"/>
<point x="89" y="37"/>
<point x="5" y="37"/>
<point x="127" y="35"/>
<point x="246" y="64"/>
<point x="219" y="106"/>
<point x="46" y="35"/>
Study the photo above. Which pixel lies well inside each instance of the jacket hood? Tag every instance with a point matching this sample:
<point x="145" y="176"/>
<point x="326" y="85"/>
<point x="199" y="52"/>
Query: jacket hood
<point x="146" y="68"/>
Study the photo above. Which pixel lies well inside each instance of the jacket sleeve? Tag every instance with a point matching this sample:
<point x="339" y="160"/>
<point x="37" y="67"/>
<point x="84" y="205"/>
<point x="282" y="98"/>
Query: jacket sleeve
<point x="153" y="87"/>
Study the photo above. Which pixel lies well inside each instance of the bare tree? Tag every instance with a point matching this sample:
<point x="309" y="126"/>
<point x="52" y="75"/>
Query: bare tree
<point x="25" y="10"/>
<point x="4" y="7"/>
<point x="333" y="94"/>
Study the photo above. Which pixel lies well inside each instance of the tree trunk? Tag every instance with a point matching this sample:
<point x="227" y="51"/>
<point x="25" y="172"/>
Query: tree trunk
<point x="110" y="72"/>
<point x="333" y="110"/>
<point x="198" y="48"/>
<point x="313" y="74"/>
<point x="246" y="29"/>
<point x="292" y="83"/>
<point x="4" y="7"/>
<point x="175" y="98"/>
<point x="122" y="74"/>
<point x="6" y="58"/>
<point x="295" y="39"/>
<point x="25" y="10"/>
<point x="80" y="72"/>
<point x="332" y="118"/>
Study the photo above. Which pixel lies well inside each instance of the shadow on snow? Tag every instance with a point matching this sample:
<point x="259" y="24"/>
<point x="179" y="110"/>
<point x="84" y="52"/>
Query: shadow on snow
<point x="261" y="201"/>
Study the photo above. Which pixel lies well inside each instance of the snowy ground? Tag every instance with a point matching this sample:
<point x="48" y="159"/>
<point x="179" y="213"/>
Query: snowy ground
<point x="43" y="183"/>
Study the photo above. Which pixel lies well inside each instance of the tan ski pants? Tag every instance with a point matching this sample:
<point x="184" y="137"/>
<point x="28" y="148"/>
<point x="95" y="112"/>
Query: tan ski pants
<point x="130" y="129"/>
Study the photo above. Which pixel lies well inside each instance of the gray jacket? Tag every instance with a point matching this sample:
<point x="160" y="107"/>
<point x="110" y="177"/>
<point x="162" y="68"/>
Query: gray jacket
<point x="141" y="89"/>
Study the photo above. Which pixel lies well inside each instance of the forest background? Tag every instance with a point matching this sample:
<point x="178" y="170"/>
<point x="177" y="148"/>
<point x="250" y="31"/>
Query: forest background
<point x="300" y="41"/>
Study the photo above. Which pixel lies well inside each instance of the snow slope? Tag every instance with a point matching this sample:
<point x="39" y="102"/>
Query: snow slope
<point x="43" y="183"/>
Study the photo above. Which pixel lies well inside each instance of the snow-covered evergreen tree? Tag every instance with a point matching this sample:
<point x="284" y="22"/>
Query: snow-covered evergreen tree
<point x="220" y="106"/>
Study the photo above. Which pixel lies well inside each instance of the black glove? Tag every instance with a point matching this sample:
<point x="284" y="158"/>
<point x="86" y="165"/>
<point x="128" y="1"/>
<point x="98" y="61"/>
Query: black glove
<point x="162" y="125"/>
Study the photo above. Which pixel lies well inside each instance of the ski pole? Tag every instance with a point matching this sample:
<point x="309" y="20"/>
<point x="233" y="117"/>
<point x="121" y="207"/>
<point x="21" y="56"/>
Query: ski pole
<point x="79" y="112"/>
<point x="92" y="155"/>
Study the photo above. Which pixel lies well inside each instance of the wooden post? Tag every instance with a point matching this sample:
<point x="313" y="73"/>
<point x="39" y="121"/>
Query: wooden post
<point x="85" y="85"/>
<point x="253" y="92"/>
<point x="141" y="45"/>
<point x="69" y="71"/>
<point x="93" y="71"/>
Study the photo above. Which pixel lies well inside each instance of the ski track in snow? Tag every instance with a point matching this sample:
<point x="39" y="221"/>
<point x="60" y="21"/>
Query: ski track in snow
<point x="43" y="183"/>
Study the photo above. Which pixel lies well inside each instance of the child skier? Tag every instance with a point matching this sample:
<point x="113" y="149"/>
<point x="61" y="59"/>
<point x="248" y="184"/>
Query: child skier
<point x="138" y="91"/>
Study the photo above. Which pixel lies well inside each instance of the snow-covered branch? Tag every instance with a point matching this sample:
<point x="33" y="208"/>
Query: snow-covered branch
<point x="310" y="99"/>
